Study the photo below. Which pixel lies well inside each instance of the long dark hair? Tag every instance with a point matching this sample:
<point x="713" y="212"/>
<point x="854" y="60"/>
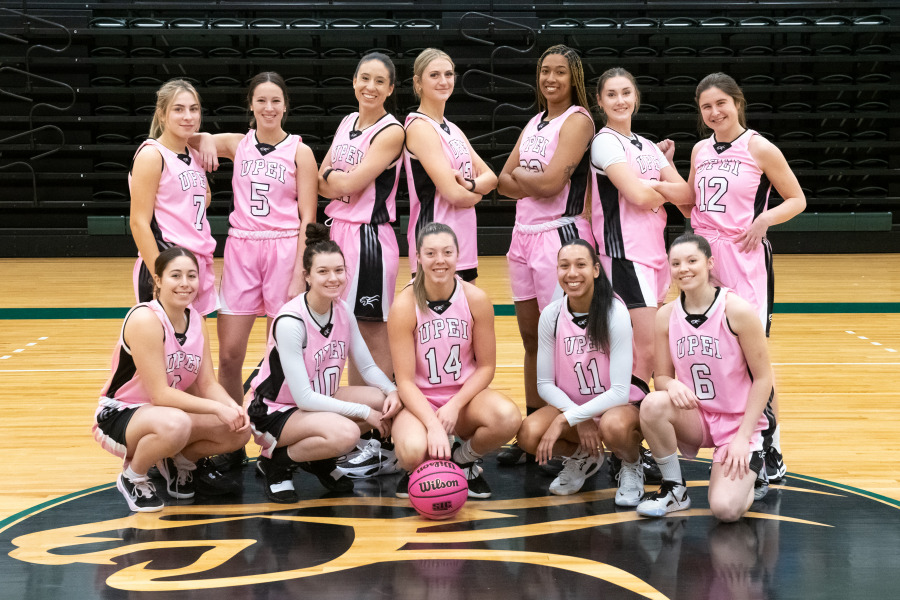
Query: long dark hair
<point x="576" y="76"/>
<point x="392" y="75"/>
<point x="318" y="241"/>
<point x="419" y="280"/>
<point x="164" y="258"/>
<point x="601" y="301"/>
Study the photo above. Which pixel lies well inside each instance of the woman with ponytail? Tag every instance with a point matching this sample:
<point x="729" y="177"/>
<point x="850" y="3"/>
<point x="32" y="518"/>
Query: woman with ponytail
<point x="300" y="417"/>
<point x="441" y="331"/>
<point x="584" y="375"/>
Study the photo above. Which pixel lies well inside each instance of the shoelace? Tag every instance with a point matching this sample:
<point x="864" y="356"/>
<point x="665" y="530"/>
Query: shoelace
<point x="142" y="488"/>
<point x="367" y="452"/>
<point x="474" y="469"/>
<point x="629" y="477"/>
<point x="184" y="475"/>
<point x="571" y="466"/>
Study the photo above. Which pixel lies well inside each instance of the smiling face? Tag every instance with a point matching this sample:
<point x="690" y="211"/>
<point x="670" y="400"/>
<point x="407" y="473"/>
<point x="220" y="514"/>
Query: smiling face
<point x="268" y="105"/>
<point x="437" y="80"/>
<point x="719" y="111"/>
<point x="327" y="276"/>
<point x="689" y="266"/>
<point x="437" y="257"/>
<point x="617" y="99"/>
<point x="183" y="115"/>
<point x="179" y="282"/>
<point x="576" y="271"/>
<point x="555" y="80"/>
<point x="372" y="84"/>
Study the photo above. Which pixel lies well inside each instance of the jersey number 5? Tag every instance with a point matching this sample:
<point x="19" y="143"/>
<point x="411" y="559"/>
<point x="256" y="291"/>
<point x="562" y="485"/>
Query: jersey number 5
<point x="259" y="202"/>
<point x="452" y="366"/>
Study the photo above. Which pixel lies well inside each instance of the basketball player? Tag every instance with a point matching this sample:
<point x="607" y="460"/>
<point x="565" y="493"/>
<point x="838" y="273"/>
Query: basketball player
<point x="446" y="177"/>
<point x="627" y="216"/>
<point x="584" y="375"/>
<point x="547" y="175"/>
<point x="300" y="417"/>
<point x="274" y="188"/>
<point x="162" y="404"/>
<point x="732" y="173"/>
<point x="441" y="332"/>
<point x="360" y="175"/>
<point x="713" y="380"/>
<point x="169" y="195"/>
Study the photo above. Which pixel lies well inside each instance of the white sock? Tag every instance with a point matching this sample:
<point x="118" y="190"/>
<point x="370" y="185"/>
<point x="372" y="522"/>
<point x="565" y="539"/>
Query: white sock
<point x="670" y="468"/>
<point x="182" y="463"/>
<point x="776" y="438"/>
<point x="464" y="454"/>
<point x="130" y="474"/>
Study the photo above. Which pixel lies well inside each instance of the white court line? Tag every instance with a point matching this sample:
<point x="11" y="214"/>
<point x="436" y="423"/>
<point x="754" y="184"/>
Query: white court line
<point x="31" y="343"/>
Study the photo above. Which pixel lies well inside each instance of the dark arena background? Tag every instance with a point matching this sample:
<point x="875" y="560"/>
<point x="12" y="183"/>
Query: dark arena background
<point x="77" y="92"/>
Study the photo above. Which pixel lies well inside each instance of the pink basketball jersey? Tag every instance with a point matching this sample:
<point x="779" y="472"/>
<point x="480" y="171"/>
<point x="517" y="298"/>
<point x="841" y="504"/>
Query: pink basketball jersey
<point x="324" y="356"/>
<point x="264" y="185"/>
<point x="540" y="139"/>
<point x="445" y="357"/>
<point x="708" y="358"/>
<point x="179" y="213"/>
<point x="376" y="203"/>
<point x="581" y="370"/>
<point x="125" y="388"/>
<point x="426" y="205"/>
<point x="623" y="230"/>
<point x="731" y="189"/>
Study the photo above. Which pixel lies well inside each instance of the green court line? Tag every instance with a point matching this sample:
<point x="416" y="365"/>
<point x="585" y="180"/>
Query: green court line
<point x="500" y="310"/>
<point x="48" y="504"/>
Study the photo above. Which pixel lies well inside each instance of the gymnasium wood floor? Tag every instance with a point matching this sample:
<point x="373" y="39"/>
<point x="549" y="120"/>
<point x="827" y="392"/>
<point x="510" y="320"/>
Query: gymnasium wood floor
<point x="836" y="350"/>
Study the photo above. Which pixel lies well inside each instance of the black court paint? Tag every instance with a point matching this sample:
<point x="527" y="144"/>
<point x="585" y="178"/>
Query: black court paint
<point x="807" y="539"/>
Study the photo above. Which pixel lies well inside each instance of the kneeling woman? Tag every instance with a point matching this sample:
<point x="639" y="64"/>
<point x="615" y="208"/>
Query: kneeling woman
<point x="301" y="418"/>
<point x="714" y="380"/>
<point x="163" y="399"/>
<point x="584" y="375"/>
<point x="441" y="332"/>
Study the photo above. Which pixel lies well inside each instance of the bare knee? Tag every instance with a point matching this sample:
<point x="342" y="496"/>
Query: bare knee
<point x="619" y="430"/>
<point x="530" y="434"/>
<point x="231" y="356"/>
<point x="174" y="429"/>
<point x="343" y="437"/>
<point x="410" y="452"/>
<point x="725" y="511"/>
<point x="655" y="407"/>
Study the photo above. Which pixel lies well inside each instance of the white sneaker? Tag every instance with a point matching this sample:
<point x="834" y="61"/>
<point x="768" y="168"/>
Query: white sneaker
<point x="373" y="459"/>
<point x="574" y="472"/>
<point x="670" y="497"/>
<point x="631" y="484"/>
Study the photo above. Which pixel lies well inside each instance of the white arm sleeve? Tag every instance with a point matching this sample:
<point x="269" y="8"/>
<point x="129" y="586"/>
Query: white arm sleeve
<point x="290" y="338"/>
<point x="620" y="363"/>
<point x="365" y="364"/>
<point x="546" y="359"/>
<point x="606" y="149"/>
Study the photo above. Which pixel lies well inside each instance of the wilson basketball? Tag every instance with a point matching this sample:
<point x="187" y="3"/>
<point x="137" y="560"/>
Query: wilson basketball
<point x="438" y="489"/>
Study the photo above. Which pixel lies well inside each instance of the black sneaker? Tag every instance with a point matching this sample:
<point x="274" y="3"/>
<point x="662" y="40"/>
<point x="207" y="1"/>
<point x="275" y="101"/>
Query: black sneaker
<point x="210" y="482"/>
<point x="279" y="484"/>
<point x="761" y="485"/>
<point x="179" y="482"/>
<point x="326" y="470"/>
<point x="652" y="474"/>
<point x="229" y="461"/>
<point x="553" y="466"/>
<point x="478" y="487"/>
<point x="775" y="468"/>
<point x="403" y="486"/>
<point x="139" y="493"/>
<point x="511" y="455"/>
